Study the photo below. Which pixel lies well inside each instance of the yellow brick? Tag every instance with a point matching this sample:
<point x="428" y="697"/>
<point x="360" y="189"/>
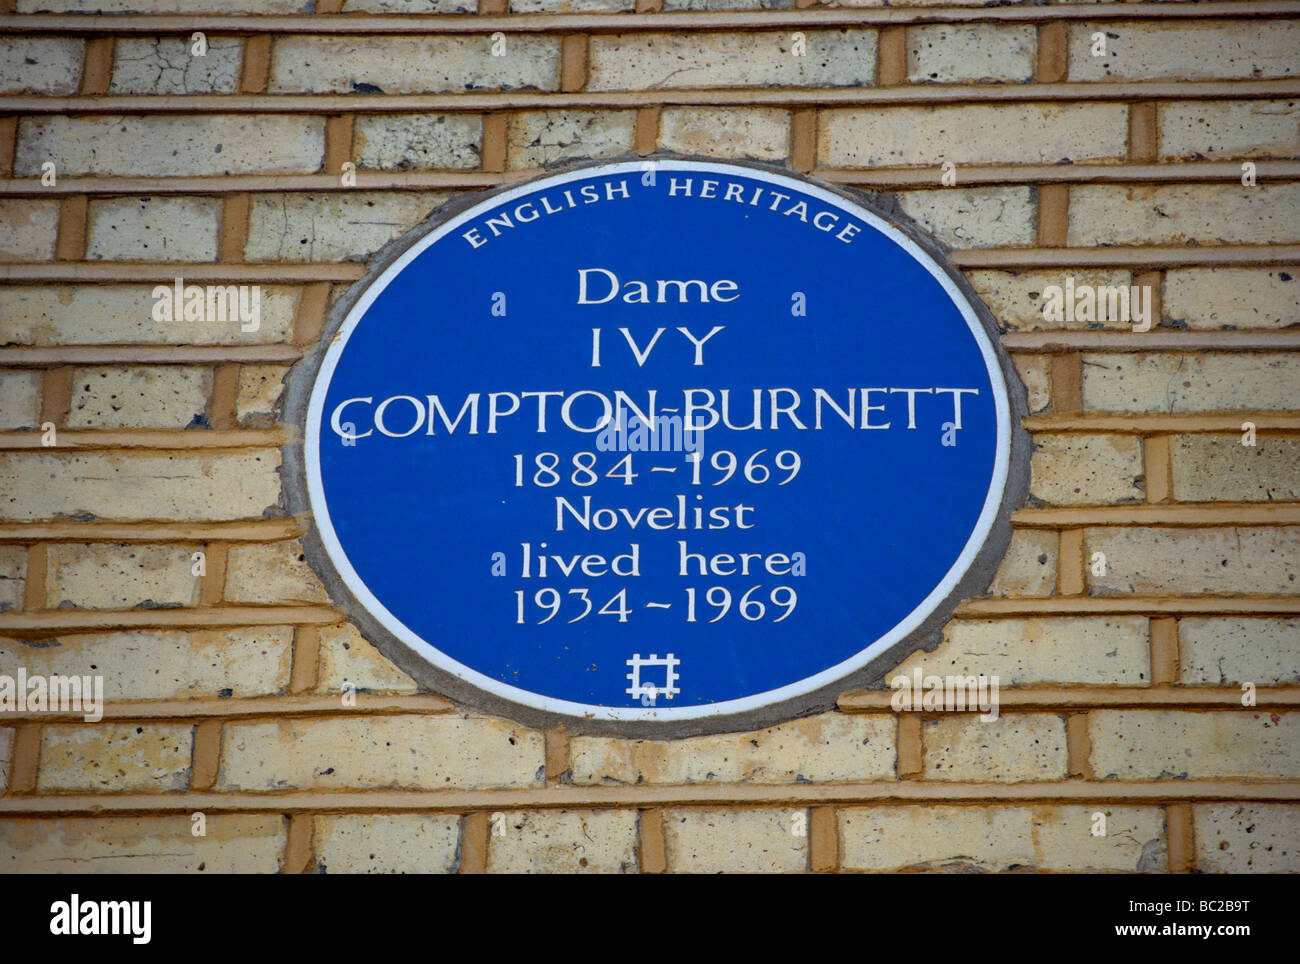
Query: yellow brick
<point x="1205" y="50"/>
<point x="828" y="748"/>
<point x="113" y="486"/>
<point x="1211" y="468"/>
<point x="1193" y="561"/>
<point x="1023" y="746"/>
<point x="727" y="132"/>
<point x="1078" y="649"/>
<point x="28" y="229"/>
<point x="1225" y="650"/>
<point x="1165" y="744"/>
<point x="153" y="229"/>
<point x="152" y="757"/>
<point x="1029" y="567"/>
<point x="346" y="657"/>
<point x="159" y="665"/>
<point x="160" y="146"/>
<point x="277" y="573"/>
<point x="389" y="843"/>
<point x="332" y="227"/>
<point x="122" y="314"/>
<point x="537" y="138"/>
<point x="981" y="53"/>
<point x="1258" y="838"/>
<point x="406" y="752"/>
<point x="1229" y="130"/>
<point x="1233" y="297"/>
<point x="1087" y="469"/>
<point x="1168" y="382"/>
<point x="13" y="577"/>
<point x="1017" y="299"/>
<point x="1184" y="214"/>
<point x="20" y="399"/>
<point x="233" y="844"/>
<point x="154" y="396"/>
<point x="710" y="841"/>
<point x="835" y="58"/>
<point x="966" y="839"/>
<point x="413" y="65"/>
<point x="564" y="842"/>
<point x="104" y="576"/>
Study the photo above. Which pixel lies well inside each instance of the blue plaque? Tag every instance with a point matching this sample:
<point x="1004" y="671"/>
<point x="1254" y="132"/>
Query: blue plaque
<point x="667" y="442"/>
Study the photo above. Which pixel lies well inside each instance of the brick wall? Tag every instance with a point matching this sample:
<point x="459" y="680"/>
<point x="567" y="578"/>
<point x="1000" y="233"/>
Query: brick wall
<point x="1122" y="685"/>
